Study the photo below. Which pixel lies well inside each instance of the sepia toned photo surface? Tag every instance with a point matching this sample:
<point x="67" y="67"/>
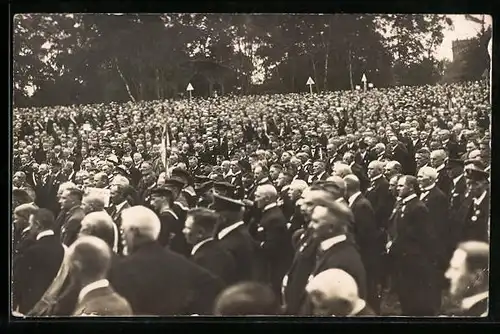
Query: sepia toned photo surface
<point x="190" y="164"/>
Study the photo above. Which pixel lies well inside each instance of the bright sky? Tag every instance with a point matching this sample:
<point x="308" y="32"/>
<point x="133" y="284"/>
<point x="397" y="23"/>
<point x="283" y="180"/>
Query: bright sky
<point x="462" y="29"/>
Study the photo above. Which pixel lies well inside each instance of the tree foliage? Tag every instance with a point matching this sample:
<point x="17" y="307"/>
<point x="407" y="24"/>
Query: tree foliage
<point x="87" y="58"/>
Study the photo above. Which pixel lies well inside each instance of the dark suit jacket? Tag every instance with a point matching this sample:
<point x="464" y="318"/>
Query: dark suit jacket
<point x="246" y="254"/>
<point x="215" y="259"/>
<point x="358" y="170"/>
<point x="344" y="256"/>
<point x="116" y="215"/>
<point x="171" y="233"/>
<point x="103" y="301"/>
<point x="444" y="182"/>
<point x="381" y="200"/>
<point x="473" y="221"/>
<point x="275" y="244"/>
<point x="437" y="205"/>
<point x="157" y="281"/>
<point x="415" y="247"/>
<point x="34" y="270"/>
<point x="69" y="223"/>
<point x="366" y="232"/>
<point x="457" y="195"/>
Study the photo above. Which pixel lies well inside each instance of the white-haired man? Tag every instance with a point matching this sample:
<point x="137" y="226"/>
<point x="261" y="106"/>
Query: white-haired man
<point x="154" y="280"/>
<point x="438" y="161"/>
<point x="334" y="292"/>
<point x="295" y="191"/>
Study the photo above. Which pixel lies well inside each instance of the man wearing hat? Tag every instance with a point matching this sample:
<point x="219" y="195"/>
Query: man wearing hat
<point x="233" y="236"/>
<point x="471" y="219"/>
<point x="161" y="201"/>
<point x="203" y="188"/>
<point x="187" y="196"/>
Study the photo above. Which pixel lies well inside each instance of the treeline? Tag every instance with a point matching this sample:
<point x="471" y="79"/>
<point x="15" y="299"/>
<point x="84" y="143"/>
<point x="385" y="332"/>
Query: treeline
<point x="99" y="58"/>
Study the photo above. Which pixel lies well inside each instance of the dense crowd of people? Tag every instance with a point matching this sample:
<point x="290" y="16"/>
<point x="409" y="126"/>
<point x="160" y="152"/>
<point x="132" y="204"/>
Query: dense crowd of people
<point x="286" y="204"/>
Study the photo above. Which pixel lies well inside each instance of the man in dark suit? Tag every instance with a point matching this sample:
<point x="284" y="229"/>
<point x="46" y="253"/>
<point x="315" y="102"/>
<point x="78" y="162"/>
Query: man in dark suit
<point x="334" y="292"/>
<point x="382" y="201"/>
<point x="399" y="152"/>
<point x="89" y="261"/>
<point x="456" y="173"/>
<point x="296" y="220"/>
<point x="233" y="236"/>
<point x="468" y="273"/>
<point x="319" y="172"/>
<point x="438" y="161"/>
<point x="118" y="203"/>
<point x="69" y="219"/>
<point x="199" y="229"/>
<point x="273" y="236"/>
<point x="37" y="266"/>
<point x="329" y="224"/>
<point x="472" y="219"/>
<point x="437" y="205"/>
<point x="22" y="234"/>
<point x="157" y="281"/>
<point x="162" y="202"/>
<point x="412" y="249"/>
<point x="366" y="235"/>
<point x="357" y="170"/>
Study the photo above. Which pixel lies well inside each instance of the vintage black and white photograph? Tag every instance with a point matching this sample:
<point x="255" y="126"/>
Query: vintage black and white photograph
<point x="190" y="164"/>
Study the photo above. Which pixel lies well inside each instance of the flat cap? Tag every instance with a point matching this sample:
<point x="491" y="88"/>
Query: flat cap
<point x="162" y="191"/>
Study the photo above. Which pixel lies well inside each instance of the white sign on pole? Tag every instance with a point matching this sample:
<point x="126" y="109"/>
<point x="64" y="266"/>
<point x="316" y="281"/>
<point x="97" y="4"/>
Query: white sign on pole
<point x="358" y="87"/>
<point x="102" y="193"/>
<point x="310" y="82"/>
<point x="370" y="85"/>
<point x="363" y="78"/>
<point x="190" y="89"/>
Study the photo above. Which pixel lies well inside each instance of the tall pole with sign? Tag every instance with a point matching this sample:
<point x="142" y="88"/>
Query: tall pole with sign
<point x="364" y="82"/>
<point x="310" y="82"/>
<point x="190" y="89"/>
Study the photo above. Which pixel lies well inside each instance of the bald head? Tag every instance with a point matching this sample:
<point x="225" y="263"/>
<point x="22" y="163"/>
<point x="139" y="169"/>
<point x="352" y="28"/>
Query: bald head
<point x="89" y="258"/>
<point x="296" y="189"/>
<point x="120" y="181"/>
<point x="139" y="225"/>
<point x="98" y="224"/>
<point x="333" y="291"/>
<point x="92" y="202"/>
<point x="438" y="158"/>
<point x="352" y="185"/>
<point x="341" y="170"/>
<point x="339" y="183"/>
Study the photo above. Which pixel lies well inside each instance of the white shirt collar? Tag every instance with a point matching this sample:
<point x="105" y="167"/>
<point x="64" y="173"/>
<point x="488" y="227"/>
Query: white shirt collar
<point x="225" y="231"/>
<point x="199" y="244"/>
<point x="328" y="243"/>
<point x="320" y="175"/>
<point x="26" y="229"/>
<point x="358" y="307"/>
<point x="480" y="199"/>
<point x="455" y="180"/>
<point x="269" y="206"/>
<point x="353" y="197"/>
<point x="426" y="189"/>
<point x="468" y="302"/>
<point x="102" y="283"/>
<point x="120" y="206"/>
<point x="409" y="198"/>
<point x="352" y="163"/>
<point x="264" y="180"/>
<point x="44" y="234"/>
<point x="440" y="167"/>
<point x="376" y="177"/>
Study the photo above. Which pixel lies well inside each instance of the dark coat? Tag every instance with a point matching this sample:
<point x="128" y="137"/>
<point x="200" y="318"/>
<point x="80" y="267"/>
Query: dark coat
<point x="116" y="215"/>
<point x="457" y="195"/>
<point x="444" y="182"/>
<point x="246" y="254"/>
<point x="413" y="257"/>
<point x="366" y="232"/>
<point x="295" y="281"/>
<point x="215" y="259"/>
<point x="157" y="281"/>
<point x="103" y="301"/>
<point x="472" y="220"/>
<point x="358" y="170"/>
<point x="171" y="233"/>
<point x="275" y="244"/>
<point x="345" y="256"/>
<point x="68" y="224"/>
<point x="382" y="202"/>
<point x="34" y="270"/>
<point x="437" y="205"/>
